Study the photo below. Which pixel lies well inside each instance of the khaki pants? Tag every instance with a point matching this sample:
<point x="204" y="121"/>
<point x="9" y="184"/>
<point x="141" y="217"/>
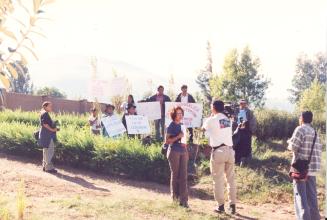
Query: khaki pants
<point x="178" y="181"/>
<point x="47" y="156"/>
<point x="222" y="164"/>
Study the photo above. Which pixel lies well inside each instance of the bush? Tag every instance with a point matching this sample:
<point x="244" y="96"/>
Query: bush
<point x="275" y="124"/>
<point x="77" y="147"/>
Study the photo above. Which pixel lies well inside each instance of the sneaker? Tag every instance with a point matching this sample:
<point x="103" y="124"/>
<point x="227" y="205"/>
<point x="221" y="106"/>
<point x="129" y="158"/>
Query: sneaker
<point x="52" y="171"/>
<point x="220" y="209"/>
<point x="232" y="209"/>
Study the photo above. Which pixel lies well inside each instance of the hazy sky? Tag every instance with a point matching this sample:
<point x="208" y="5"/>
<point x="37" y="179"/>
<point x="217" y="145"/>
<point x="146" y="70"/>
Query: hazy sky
<point x="169" y="36"/>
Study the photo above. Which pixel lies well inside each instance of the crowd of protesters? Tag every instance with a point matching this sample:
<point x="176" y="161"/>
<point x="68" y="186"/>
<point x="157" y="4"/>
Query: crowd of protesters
<point x="229" y="139"/>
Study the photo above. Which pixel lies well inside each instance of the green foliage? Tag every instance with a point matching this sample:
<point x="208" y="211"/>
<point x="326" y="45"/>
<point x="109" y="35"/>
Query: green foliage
<point x="77" y="147"/>
<point x="51" y="91"/>
<point x="275" y="124"/>
<point x="23" y="82"/>
<point x="306" y="71"/>
<point x="240" y="79"/>
<point x="313" y="99"/>
<point x="204" y="76"/>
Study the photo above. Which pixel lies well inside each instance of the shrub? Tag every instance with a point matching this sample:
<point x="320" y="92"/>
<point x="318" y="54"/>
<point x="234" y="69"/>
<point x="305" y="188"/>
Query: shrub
<point x="276" y="124"/>
<point x="77" y="147"/>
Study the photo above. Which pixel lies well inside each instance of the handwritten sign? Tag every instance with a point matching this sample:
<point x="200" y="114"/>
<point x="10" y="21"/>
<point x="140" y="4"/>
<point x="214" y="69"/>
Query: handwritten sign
<point x="113" y="125"/>
<point x="150" y="109"/>
<point x="192" y="113"/>
<point x="97" y="89"/>
<point x="137" y="124"/>
<point x="118" y="86"/>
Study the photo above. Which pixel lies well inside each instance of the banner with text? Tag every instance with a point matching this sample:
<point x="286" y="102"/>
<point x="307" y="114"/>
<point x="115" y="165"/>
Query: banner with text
<point x="113" y="125"/>
<point x="137" y="124"/>
<point x="150" y="109"/>
<point x="192" y="113"/>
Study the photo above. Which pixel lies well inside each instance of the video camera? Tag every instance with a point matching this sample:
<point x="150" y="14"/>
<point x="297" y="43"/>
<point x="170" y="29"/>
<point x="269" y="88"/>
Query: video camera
<point x="231" y="109"/>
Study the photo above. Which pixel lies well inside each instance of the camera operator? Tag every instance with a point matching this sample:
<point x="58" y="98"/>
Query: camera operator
<point x="246" y="124"/>
<point x="219" y="129"/>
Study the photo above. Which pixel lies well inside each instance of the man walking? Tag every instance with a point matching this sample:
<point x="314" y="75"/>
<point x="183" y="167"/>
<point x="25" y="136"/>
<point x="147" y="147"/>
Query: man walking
<point x="219" y="129"/>
<point x="304" y="141"/>
<point x="160" y="123"/>
<point x="185" y="97"/>
<point x="246" y="124"/>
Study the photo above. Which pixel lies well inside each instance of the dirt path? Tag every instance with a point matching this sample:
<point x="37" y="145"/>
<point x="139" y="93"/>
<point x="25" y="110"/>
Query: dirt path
<point x="45" y="190"/>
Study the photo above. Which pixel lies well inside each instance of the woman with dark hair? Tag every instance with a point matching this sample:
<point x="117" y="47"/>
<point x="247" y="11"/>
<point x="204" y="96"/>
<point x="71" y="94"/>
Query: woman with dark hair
<point x="130" y="100"/>
<point x="47" y="137"/>
<point x="108" y="112"/>
<point x="177" y="155"/>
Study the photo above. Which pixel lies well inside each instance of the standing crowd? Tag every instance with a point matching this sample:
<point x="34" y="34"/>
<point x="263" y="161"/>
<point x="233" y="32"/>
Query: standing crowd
<point x="230" y="141"/>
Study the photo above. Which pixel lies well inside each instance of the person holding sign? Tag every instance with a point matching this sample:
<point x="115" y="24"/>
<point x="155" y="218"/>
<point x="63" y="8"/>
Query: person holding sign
<point x="160" y="123"/>
<point x="94" y="122"/>
<point x="177" y="155"/>
<point x="185" y="97"/>
<point x="219" y="129"/>
<point x="108" y="112"/>
<point x="131" y="110"/>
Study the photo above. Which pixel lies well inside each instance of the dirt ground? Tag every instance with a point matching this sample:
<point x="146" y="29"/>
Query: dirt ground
<point x="68" y="183"/>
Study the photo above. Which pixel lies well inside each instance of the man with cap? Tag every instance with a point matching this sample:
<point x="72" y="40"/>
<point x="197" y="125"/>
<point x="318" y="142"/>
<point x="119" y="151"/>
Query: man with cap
<point x="185" y="97"/>
<point x="108" y="112"/>
<point x="246" y="124"/>
<point x="131" y="110"/>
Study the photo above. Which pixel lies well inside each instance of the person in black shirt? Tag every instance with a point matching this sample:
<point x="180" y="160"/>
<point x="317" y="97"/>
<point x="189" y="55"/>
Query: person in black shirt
<point x="131" y="110"/>
<point x="47" y="137"/>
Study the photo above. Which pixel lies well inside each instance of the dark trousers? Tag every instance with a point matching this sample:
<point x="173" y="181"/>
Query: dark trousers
<point x="190" y="131"/>
<point x="178" y="179"/>
<point x="243" y="148"/>
<point x="160" y="128"/>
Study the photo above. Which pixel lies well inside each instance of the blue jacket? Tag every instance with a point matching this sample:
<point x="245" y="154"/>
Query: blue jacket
<point x="45" y="136"/>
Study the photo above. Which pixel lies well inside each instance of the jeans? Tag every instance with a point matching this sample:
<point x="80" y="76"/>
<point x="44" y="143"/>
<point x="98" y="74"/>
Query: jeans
<point x="160" y="128"/>
<point x="178" y="170"/>
<point x="305" y="199"/>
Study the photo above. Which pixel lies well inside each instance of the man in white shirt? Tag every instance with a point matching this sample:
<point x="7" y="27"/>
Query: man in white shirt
<point x="219" y="129"/>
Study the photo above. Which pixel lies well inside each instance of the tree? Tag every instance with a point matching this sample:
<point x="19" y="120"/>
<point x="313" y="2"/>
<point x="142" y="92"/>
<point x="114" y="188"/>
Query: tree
<point x="23" y="83"/>
<point x="15" y="45"/>
<point x="306" y="71"/>
<point x="313" y="99"/>
<point x="51" y="91"/>
<point x="240" y="79"/>
<point x="204" y="76"/>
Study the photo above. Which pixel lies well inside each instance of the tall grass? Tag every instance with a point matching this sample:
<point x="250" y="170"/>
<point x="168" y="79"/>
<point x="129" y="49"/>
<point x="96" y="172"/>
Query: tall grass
<point x="21" y="200"/>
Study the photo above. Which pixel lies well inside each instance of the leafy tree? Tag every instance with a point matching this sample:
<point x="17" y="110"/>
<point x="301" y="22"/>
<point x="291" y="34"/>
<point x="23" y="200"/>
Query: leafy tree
<point x="240" y="79"/>
<point x="306" y="71"/>
<point x="204" y="76"/>
<point x="313" y="99"/>
<point x="23" y="83"/>
<point x="51" y="91"/>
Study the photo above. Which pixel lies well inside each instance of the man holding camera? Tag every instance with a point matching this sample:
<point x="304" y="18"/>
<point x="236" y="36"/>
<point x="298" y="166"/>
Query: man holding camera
<point x="219" y="129"/>
<point x="246" y="125"/>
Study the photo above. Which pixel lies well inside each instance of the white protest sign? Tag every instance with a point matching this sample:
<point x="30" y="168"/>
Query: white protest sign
<point x="113" y="125"/>
<point x="150" y="109"/>
<point x="118" y="86"/>
<point x="137" y="124"/>
<point x="192" y="113"/>
<point x="97" y="88"/>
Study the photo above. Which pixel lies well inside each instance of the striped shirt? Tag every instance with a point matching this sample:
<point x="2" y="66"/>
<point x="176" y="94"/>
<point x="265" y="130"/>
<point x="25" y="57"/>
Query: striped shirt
<point x="301" y="143"/>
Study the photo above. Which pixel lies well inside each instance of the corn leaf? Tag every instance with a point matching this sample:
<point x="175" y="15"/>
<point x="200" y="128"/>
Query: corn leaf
<point x="31" y="51"/>
<point x="5" y="81"/>
<point x="11" y="69"/>
<point x="48" y="2"/>
<point x="8" y="33"/>
<point x="22" y="58"/>
<point x="38" y="33"/>
<point x="36" y="5"/>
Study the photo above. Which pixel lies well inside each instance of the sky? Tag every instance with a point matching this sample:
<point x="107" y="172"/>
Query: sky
<point x="163" y="37"/>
